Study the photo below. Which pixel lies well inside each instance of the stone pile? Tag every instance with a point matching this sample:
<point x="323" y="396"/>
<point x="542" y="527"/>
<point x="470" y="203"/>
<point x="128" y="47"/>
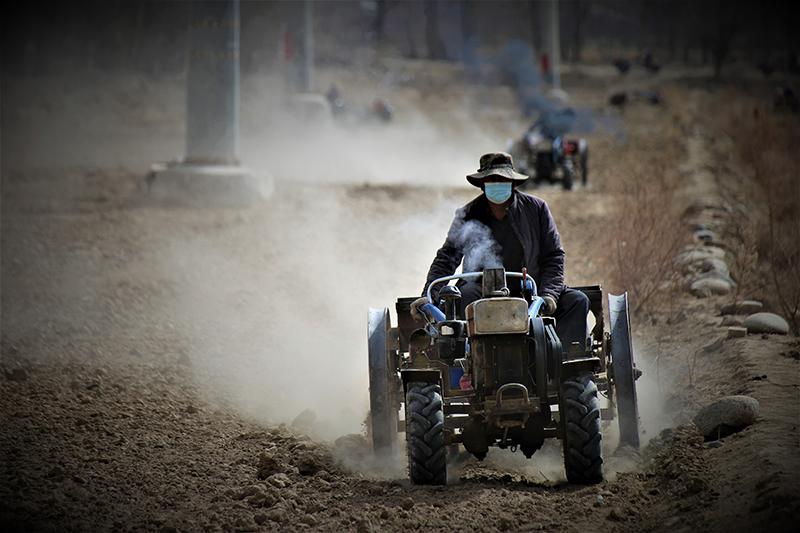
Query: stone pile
<point x="705" y="264"/>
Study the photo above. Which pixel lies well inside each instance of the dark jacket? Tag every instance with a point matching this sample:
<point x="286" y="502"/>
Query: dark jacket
<point x="534" y="227"/>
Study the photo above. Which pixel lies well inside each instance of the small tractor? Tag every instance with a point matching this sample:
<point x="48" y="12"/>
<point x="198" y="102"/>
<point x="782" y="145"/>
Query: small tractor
<point x="499" y="378"/>
<point x="545" y="155"/>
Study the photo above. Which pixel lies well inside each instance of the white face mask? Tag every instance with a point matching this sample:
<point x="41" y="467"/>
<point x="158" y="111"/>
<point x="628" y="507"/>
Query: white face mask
<point x="497" y="193"/>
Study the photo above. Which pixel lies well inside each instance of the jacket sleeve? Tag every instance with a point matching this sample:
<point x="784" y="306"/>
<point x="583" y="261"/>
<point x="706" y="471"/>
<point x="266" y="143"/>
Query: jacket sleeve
<point x="551" y="256"/>
<point x="448" y="257"/>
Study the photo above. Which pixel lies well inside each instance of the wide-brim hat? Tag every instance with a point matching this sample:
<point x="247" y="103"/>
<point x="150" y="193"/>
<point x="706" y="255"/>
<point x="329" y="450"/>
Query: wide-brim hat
<point x="496" y="164"/>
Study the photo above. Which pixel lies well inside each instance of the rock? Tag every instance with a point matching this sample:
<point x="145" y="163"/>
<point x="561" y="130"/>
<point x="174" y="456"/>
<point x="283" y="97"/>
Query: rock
<point x="725" y="416"/>
<point x="736" y="331"/>
<point x="747" y="307"/>
<point x="698" y="253"/>
<point x="705" y="235"/>
<point x="717" y="274"/>
<point x="407" y="504"/>
<point x="715" y="264"/>
<point x="705" y="288"/>
<point x="766" y="323"/>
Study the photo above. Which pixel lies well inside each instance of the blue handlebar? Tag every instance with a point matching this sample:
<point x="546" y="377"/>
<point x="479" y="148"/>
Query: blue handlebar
<point x="434" y="312"/>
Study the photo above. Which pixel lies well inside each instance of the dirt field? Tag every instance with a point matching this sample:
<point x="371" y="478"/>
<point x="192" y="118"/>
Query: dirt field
<point x="171" y="369"/>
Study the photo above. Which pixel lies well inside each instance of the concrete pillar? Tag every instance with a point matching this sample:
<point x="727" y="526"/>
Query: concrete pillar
<point x="212" y="99"/>
<point x="307" y="66"/>
<point x="210" y="174"/>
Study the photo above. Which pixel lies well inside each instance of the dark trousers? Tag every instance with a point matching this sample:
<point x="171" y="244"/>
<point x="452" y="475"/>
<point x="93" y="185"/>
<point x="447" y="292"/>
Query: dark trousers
<point x="570" y="315"/>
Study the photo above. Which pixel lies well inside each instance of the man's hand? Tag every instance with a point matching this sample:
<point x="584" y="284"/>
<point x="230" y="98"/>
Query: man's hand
<point x="416" y="314"/>
<point x="549" y="305"/>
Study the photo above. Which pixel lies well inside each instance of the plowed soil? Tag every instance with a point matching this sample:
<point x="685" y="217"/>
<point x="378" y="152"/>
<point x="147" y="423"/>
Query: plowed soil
<point x="204" y="369"/>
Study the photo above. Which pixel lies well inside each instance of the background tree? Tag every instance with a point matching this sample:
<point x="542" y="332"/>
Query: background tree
<point x="436" y="48"/>
<point x="726" y="20"/>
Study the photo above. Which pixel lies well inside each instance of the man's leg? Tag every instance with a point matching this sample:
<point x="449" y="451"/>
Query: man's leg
<point x="570" y="316"/>
<point x="470" y="291"/>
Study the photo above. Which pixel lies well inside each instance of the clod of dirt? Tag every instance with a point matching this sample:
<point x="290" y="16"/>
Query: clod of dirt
<point x="268" y="465"/>
<point x="715" y="345"/>
<point x="18" y="374"/>
<point x="305" y="419"/>
<point x="726" y="416"/>
<point x="311" y="462"/>
<point x="364" y="526"/>
<point x="279" y="480"/>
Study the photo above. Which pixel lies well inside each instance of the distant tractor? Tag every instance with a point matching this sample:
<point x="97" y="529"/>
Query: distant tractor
<point x="545" y="155"/>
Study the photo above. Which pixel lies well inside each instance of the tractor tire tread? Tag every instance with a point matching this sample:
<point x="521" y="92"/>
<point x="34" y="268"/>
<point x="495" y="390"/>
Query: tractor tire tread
<point x="427" y="457"/>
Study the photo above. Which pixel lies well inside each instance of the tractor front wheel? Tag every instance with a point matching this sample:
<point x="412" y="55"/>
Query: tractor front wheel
<point x="427" y="457"/>
<point x="583" y="457"/>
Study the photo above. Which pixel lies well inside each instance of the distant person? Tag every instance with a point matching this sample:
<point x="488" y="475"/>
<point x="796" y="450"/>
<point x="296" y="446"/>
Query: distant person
<point x="506" y="227"/>
<point x="622" y="64"/>
<point x="651" y="63"/>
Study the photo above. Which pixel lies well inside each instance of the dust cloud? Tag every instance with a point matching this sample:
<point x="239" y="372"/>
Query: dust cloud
<point x="652" y="388"/>
<point x="277" y="299"/>
<point x="295" y="138"/>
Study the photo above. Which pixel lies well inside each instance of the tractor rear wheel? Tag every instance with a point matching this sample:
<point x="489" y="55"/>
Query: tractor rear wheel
<point x="623" y="370"/>
<point x="382" y="373"/>
<point x="583" y="457"/>
<point x="427" y="457"/>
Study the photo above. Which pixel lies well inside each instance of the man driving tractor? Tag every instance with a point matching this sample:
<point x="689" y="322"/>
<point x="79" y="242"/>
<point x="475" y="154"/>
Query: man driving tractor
<point x="506" y="227"/>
